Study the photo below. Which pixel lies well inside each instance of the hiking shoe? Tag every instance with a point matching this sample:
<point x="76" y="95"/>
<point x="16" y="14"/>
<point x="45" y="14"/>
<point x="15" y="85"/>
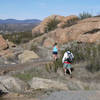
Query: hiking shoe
<point x="65" y="73"/>
<point x="70" y="76"/>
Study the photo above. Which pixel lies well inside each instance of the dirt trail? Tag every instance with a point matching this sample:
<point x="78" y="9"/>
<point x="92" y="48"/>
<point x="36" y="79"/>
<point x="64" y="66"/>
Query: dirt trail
<point x="19" y="67"/>
<point x="74" y="95"/>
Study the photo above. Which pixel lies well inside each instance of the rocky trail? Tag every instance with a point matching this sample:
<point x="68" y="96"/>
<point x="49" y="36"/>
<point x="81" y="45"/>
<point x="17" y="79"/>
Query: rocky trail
<point x="4" y="69"/>
<point x="74" y="95"/>
<point x="77" y="94"/>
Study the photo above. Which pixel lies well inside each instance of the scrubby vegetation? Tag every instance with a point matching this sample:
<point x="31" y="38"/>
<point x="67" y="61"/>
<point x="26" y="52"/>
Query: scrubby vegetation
<point x="51" y="25"/>
<point x="70" y="22"/>
<point x="53" y="67"/>
<point x="83" y="52"/>
<point x="18" y="38"/>
<point x="84" y="15"/>
<point x="86" y="52"/>
<point x="21" y="37"/>
<point x="29" y="74"/>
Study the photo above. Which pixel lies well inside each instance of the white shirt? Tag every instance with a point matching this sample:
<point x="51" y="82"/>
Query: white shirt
<point x="66" y="56"/>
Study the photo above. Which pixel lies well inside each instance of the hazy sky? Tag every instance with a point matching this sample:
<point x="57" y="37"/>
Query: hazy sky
<point x="39" y="9"/>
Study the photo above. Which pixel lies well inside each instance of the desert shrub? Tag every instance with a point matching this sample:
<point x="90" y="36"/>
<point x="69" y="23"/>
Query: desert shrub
<point x="53" y="67"/>
<point x="18" y="38"/>
<point x="24" y="76"/>
<point x="34" y="48"/>
<point x="86" y="52"/>
<point x="49" y="67"/>
<point x="70" y="22"/>
<point x="51" y="25"/>
<point x="83" y="52"/>
<point x="57" y="64"/>
<point x="84" y="15"/>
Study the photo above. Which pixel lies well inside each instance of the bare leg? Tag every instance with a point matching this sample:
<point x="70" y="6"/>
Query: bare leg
<point x="56" y="57"/>
<point x="65" y="71"/>
<point x="53" y="56"/>
<point x="70" y="72"/>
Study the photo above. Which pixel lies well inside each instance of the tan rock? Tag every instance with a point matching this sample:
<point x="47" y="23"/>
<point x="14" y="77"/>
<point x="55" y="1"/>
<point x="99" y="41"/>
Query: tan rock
<point x="41" y="28"/>
<point x="3" y="43"/>
<point x="27" y="55"/>
<point x="6" y="53"/>
<point x="68" y="20"/>
<point x="12" y="84"/>
<point x="40" y="83"/>
<point x="87" y="30"/>
<point x="10" y="44"/>
<point x="48" y="43"/>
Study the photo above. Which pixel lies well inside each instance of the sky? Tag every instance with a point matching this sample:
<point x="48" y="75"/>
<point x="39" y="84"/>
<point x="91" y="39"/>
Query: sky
<point x="39" y="9"/>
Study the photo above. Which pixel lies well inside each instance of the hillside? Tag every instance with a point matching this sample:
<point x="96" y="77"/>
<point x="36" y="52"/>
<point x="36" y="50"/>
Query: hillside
<point x="28" y="70"/>
<point x="66" y="29"/>
<point x="13" y="25"/>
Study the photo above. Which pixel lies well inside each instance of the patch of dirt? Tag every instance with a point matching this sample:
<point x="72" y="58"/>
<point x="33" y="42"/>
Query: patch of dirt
<point x="13" y="96"/>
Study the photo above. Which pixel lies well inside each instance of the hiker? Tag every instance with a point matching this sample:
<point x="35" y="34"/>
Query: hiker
<point x="55" y="51"/>
<point x="67" y="60"/>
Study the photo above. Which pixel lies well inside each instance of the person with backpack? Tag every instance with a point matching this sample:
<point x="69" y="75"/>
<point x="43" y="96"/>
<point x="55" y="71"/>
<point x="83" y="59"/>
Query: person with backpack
<point x="55" y="51"/>
<point x="67" y="60"/>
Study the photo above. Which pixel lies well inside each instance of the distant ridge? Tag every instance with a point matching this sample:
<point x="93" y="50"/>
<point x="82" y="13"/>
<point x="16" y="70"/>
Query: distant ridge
<point x="15" y="21"/>
<point x="14" y="25"/>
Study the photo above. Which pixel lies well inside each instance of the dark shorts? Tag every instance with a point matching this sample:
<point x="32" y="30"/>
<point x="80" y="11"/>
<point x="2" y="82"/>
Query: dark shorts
<point x="55" y="53"/>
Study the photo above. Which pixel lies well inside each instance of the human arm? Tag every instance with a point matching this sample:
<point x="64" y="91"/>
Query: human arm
<point x="64" y="57"/>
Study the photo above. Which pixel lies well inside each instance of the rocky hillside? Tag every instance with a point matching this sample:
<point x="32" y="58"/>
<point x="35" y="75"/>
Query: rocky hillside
<point x="67" y="29"/>
<point x="11" y="53"/>
<point x="29" y="73"/>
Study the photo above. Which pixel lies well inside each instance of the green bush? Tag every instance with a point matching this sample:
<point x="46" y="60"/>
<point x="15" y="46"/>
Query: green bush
<point x="83" y="52"/>
<point x="84" y="15"/>
<point x="70" y="23"/>
<point x="86" y="52"/>
<point x="53" y="67"/>
<point x="24" y="76"/>
<point x="21" y="37"/>
<point x="51" y="25"/>
<point x="18" y="38"/>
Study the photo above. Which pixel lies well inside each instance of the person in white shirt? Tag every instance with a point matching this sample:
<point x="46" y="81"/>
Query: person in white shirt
<point x="67" y="60"/>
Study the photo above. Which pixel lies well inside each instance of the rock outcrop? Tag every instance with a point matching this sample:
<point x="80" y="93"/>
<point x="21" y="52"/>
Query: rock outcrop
<point x="27" y="55"/>
<point x="87" y="30"/>
<point x="40" y="83"/>
<point x="3" y="43"/>
<point x="8" y="83"/>
<point x="61" y="19"/>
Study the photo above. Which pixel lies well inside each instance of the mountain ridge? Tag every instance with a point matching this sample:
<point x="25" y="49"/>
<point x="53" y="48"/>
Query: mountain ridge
<point x="16" y="21"/>
<point x="14" y="25"/>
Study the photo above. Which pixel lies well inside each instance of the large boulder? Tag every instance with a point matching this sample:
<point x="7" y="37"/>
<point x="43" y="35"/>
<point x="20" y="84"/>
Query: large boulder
<point x="87" y="30"/>
<point x="59" y="35"/>
<point x="3" y="43"/>
<point x="61" y="19"/>
<point x="27" y="56"/>
<point x="3" y="88"/>
<point x="8" y="83"/>
<point x="10" y="44"/>
<point x="67" y="21"/>
<point x="7" y="53"/>
<point x="40" y="83"/>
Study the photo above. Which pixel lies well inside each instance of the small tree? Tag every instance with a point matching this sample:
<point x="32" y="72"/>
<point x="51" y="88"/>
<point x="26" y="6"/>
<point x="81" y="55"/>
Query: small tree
<point x="51" y="25"/>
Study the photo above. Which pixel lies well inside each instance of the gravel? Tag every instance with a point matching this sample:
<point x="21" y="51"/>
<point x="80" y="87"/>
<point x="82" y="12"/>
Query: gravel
<point x="74" y="95"/>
